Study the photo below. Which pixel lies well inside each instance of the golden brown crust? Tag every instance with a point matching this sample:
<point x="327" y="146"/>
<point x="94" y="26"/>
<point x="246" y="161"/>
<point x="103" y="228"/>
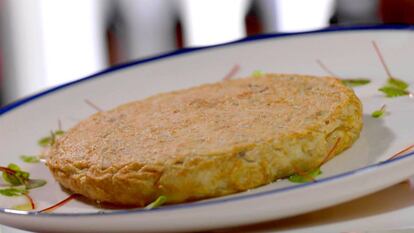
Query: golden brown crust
<point x="207" y="141"/>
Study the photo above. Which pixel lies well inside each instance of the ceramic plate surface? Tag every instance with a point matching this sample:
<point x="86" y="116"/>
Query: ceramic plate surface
<point x="358" y="171"/>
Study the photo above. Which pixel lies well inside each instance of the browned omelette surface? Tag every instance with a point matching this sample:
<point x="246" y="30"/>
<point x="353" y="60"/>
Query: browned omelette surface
<point x="207" y="141"/>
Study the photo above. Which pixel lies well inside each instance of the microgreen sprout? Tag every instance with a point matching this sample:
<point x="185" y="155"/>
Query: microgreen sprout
<point x="12" y="192"/>
<point x="50" y="140"/>
<point x="157" y="203"/>
<point x="394" y="87"/>
<point x="391" y="92"/>
<point x="379" y="113"/>
<point x="310" y="176"/>
<point x="302" y="177"/>
<point x="18" y="180"/>
<point x="356" y="82"/>
<point x="30" y="158"/>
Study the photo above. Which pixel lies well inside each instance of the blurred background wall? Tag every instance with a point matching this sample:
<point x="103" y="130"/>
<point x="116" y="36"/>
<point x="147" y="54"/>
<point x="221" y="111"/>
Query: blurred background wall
<point x="44" y="43"/>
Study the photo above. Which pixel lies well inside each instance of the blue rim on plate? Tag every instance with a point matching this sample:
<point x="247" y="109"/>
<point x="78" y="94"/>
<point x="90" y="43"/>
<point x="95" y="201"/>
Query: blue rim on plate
<point x="28" y="99"/>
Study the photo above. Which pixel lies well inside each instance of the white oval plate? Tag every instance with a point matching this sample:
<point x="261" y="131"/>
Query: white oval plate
<point x="356" y="172"/>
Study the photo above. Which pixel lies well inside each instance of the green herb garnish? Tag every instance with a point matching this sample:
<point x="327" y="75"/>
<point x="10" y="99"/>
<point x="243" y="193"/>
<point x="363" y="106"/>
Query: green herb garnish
<point x="394" y="87"/>
<point x="50" y="140"/>
<point x="355" y="82"/>
<point x="44" y="142"/>
<point x="296" y="178"/>
<point x="29" y="159"/>
<point x="257" y="73"/>
<point x="397" y="83"/>
<point x="35" y="183"/>
<point x="59" y="132"/>
<point x="157" y="203"/>
<point x="12" y="192"/>
<point x="391" y="91"/>
<point x="19" y="184"/>
<point x="379" y="113"/>
<point x="18" y="177"/>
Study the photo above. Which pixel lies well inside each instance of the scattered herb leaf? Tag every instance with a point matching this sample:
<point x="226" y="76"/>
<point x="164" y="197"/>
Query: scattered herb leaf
<point x="43" y="142"/>
<point x="296" y="178"/>
<point x="19" y="177"/>
<point x="12" y="192"/>
<point x="394" y="87"/>
<point x="379" y="113"/>
<point x="50" y="140"/>
<point x="391" y="91"/>
<point x="59" y="132"/>
<point x="355" y="82"/>
<point x="257" y="73"/>
<point x="157" y="203"/>
<point x="29" y="159"/>
<point x="397" y="83"/>
<point x="35" y="183"/>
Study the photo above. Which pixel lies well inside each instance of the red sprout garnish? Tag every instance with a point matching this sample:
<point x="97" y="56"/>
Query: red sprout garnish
<point x="30" y="199"/>
<point x="94" y="106"/>
<point x="401" y="152"/>
<point x="232" y="72"/>
<point x="326" y="69"/>
<point x="59" y="204"/>
<point x="378" y="51"/>
<point x="329" y="155"/>
<point x="7" y="170"/>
